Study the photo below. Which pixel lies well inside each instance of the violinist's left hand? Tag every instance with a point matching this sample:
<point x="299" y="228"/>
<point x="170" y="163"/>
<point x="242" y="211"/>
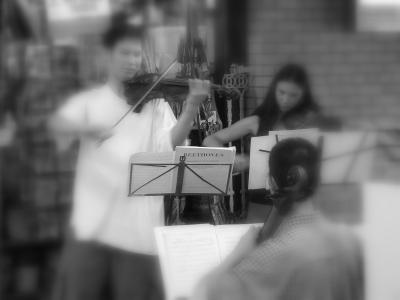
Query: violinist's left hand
<point x="198" y="91"/>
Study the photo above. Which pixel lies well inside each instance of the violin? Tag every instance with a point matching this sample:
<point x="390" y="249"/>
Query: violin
<point x="135" y="88"/>
<point x="150" y="86"/>
<point x="138" y="86"/>
<point x="143" y="86"/>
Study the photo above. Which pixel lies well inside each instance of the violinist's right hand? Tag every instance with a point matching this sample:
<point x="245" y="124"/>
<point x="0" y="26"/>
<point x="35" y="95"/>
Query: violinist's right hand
<point x="65" y="131"/>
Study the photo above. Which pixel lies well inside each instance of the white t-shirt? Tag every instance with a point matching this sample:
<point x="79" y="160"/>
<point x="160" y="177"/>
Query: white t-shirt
<point x="102" y="211"/>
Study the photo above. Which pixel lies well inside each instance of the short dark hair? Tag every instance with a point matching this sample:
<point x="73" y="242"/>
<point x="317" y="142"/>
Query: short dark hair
<point x="295" y="152"/>
<point x="121" y="29"/>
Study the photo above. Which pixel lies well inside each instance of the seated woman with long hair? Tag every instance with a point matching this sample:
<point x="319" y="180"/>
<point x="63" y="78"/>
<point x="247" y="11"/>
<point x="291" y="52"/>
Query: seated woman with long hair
<point x="289" y="104"/>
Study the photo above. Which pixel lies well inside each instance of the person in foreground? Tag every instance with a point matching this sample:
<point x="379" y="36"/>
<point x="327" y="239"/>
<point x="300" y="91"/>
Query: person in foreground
<point x="112" y="246"/>
<point x="297" y="254"/>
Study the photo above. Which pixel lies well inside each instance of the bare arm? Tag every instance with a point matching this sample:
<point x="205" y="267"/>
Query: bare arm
<point x="70" y="120"/>
<point x="182" y="128"/>
<point x="239" y="129"/>
<point x="63" y="127"/>
<point x="199" y="90"/>
<point x="58" y="125"/>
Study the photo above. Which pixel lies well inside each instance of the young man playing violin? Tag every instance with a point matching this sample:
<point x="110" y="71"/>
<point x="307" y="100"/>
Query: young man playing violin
<point x="297" y="255"/>
<point x="112" y="244"/>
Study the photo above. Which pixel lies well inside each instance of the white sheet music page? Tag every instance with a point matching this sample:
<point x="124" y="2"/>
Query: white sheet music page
<point x="147" y="166"/>
<point x="259" y="157"/>
<point x="214" y="166"/>
<point x="186" y="254"/>
<point x="262" y="145"/>
<point x="228" y="237"/>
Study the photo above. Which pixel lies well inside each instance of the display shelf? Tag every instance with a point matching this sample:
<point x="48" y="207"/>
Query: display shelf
<point x="33" y="217"/>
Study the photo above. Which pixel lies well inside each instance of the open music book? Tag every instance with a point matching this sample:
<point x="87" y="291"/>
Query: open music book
<point x="205" y="170"/>
<point x="188" y="252"/>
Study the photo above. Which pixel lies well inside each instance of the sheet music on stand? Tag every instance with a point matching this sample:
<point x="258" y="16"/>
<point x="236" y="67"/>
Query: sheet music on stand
<point x="346" y="156"/>
<point x="188" y="252"/>
<point x="187" y="171"/>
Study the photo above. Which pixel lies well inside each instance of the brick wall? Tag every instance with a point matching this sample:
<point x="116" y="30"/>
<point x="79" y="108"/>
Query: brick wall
<point x="355" y="75"/>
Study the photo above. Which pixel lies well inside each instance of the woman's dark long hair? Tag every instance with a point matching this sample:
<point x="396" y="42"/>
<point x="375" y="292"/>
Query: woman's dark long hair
<point x="268" y="111"/>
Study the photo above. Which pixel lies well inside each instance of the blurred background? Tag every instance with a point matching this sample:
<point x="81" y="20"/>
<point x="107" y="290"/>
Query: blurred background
<point x="50" y="49"/>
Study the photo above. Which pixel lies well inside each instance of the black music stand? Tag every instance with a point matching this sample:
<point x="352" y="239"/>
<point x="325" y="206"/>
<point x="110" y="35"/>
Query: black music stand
<point x="181" y="168"/>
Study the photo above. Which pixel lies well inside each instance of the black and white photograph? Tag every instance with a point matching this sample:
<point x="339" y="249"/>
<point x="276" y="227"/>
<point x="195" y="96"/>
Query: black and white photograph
<point x="199" y="149"/>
